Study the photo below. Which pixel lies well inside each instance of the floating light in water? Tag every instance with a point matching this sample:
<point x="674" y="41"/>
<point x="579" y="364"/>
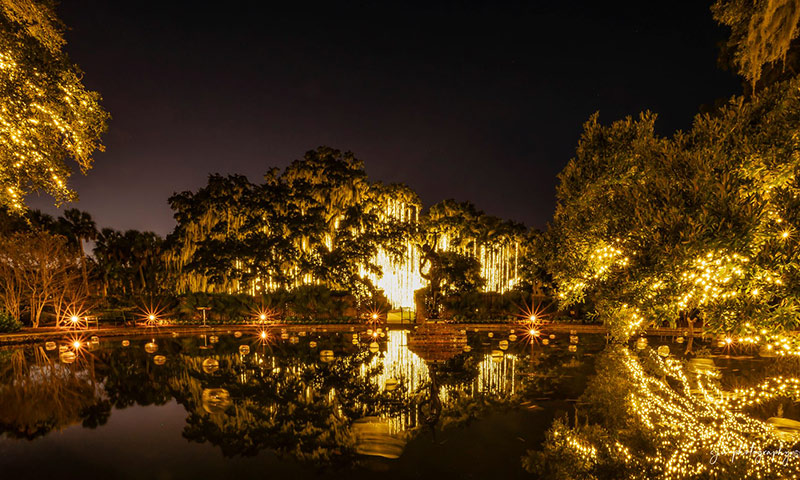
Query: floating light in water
<point x="210" y="365"/>
<point x="126" y="343"/>
<point x="67" y="357"/>
<point x="573" y="348"/>
<point x="151" y="347"/>
<point x="326" y="355"/>
<point x="573" y="339"/>
<point x="50" y="345"/>
<point x="237" y="334"/>
<point x="312" y="344"/>
<point x="663" y="350"/>
<point x="374" y="347"/>
<point x="503" y="345"/>
<point x="244" y="349"/>
<point x="159" y="359"/>
<point x="215" y="400"/>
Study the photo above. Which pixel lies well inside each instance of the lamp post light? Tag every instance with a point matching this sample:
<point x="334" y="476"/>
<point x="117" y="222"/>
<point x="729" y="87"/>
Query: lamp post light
<point x="203" y="309"/>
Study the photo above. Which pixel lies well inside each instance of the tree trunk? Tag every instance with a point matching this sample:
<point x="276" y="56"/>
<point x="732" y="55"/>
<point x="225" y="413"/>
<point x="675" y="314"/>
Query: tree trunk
<point x="690" y="341"/>
<point x="83" y="266"/>
<point x="141" y="276"/>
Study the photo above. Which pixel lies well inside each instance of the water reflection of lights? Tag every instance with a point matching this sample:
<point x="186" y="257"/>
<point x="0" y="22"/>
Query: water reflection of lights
<point x="685" y="420"/>
<point x="402" y="367"/>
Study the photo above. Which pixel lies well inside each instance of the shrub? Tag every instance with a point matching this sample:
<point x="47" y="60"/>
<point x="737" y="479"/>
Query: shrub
<point x="8" y="324"/>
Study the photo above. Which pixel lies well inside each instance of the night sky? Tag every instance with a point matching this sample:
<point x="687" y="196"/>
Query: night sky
<point x="480" y="102"/>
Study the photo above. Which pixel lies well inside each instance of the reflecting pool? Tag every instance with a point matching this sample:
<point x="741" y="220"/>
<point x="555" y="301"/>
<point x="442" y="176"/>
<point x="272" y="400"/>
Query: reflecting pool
<point x="436" y="403"/>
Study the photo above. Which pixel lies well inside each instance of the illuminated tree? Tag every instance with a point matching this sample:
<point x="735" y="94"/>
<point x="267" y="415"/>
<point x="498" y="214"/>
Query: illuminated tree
<point x="700" y="225"/>
<point x="46" y="114"/>
<point x="318" y="222"/>
<point x="39" y="270"/>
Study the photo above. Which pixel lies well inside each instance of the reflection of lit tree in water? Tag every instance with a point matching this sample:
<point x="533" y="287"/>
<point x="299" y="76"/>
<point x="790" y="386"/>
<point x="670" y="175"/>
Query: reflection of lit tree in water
<point x="39" y="394"/>
<point x="327" y="402"/>
<point x="652" y="418"/>
<point x="287" y="403"/>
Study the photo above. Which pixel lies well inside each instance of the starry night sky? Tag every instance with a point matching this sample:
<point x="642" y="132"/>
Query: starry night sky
<point x="479" y="101"/>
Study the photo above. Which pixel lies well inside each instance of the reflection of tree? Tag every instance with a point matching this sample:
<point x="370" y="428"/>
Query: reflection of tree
<point x="285" y="397"/>
<point x="39" y="394"/>
<point x="280" y="403"/>
<point x="646" y="417"/>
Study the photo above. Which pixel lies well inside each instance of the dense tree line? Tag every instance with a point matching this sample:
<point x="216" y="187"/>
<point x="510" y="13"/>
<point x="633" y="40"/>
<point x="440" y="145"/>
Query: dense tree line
<point x="319" y="224"/>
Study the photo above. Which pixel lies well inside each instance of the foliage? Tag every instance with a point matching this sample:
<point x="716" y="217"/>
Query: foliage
<point x="129" y="262"/>
<point x="48" y="116"/>
<point x="485" y="306"/>
<point x="762" y="32"/>
<point x="702" y="225"/>
<point x="37" y="270"/>
<point x="8" y="324"/>
<point x="319" y="220"/>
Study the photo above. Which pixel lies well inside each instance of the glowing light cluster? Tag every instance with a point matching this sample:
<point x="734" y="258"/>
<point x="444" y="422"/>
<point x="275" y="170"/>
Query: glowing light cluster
<point x="606" y="257"/>
<point x="499" y="260"/>
<point x="46" y="116"/>
<point x="691" y="421"/>
<point x="709" y="278"/>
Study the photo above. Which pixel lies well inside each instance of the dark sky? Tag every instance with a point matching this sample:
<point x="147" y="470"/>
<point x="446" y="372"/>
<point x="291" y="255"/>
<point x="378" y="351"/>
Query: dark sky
<point x="481" y="102"/>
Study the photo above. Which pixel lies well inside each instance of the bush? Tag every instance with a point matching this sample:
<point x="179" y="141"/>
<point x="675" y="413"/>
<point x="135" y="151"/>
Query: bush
<point x="8" y="324"/>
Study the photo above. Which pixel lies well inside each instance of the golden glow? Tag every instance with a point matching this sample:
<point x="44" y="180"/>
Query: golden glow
<point x="151" y="315"/>
<point x="686" y="418"/>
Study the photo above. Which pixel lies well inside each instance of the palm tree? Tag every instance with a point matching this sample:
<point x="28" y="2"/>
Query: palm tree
<point x="78" y="226"/>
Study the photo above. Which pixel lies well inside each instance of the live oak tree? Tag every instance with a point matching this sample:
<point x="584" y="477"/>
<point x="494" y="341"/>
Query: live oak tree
<point x="320" y="221"/>
<point x="47" y="116"/>
<point x="762" y="35"/>
<point x="700" y="225"/>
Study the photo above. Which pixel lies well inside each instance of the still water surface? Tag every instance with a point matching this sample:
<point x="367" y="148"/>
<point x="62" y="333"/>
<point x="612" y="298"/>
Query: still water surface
<point x="310" y="405"/>
<point x="303" y="404"/>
